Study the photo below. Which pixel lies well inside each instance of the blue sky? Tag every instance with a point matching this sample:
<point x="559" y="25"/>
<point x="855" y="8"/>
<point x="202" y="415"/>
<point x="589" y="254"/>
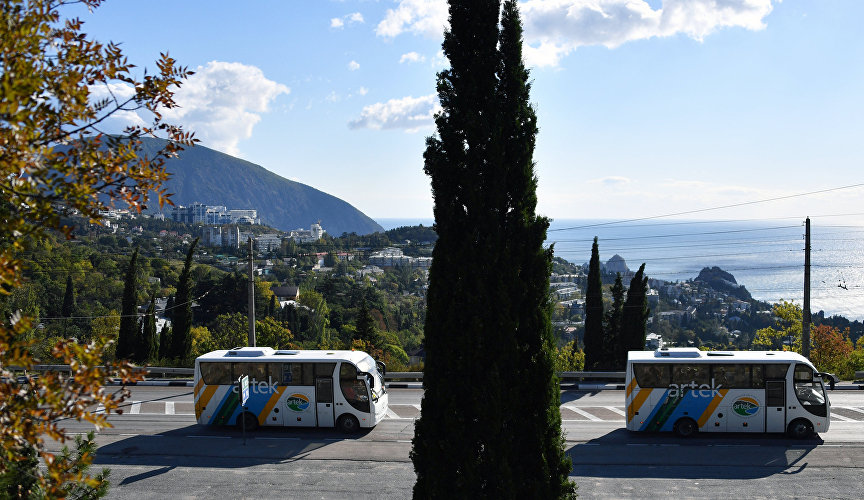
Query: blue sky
<point x="645" y="107"/>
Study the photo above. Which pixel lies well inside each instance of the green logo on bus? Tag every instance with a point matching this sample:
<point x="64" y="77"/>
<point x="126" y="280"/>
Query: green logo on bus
<point x="745" y="406"/>
<point x="297" y="402"/>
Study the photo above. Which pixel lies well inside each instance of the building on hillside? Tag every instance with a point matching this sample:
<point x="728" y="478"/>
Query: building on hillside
<point x="199" y="213"/>
<point x="268" y="242"/>
<point x="315" y="233"/>
<point x="393" y="257"/>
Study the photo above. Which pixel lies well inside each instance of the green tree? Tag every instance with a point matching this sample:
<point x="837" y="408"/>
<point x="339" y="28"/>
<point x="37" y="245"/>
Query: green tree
<point x="612" y="345"/>
<point x="181" y="343"/>
<point x="634" y="317"/>
<point x="786" y="330"/>
<point x="69" y="306"/>
<point x="319" y="318"/>
<point x="148" y="341"/>
<point x="165" y="342"/>
<point x="593" y="339"/>
<point x="127" y="343"/>
<point x="55" y="160"/>
<point x="489" y="308"/>
<point x="366" y="330"/>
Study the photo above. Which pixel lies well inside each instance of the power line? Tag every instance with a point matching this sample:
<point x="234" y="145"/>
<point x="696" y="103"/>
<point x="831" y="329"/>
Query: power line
<point x="703" y="210"/>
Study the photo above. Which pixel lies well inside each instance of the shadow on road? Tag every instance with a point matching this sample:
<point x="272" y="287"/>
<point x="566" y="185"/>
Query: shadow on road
<point x="625" y="454"/>
<point x="213" y="446"/>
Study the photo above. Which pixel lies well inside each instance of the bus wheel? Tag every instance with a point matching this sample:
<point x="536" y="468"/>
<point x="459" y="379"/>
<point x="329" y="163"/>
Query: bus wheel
<point x="249" y="419"/>
<point x="348" y="424"/>
<point x="686" y="427"/>
<point x="800" y="429"/>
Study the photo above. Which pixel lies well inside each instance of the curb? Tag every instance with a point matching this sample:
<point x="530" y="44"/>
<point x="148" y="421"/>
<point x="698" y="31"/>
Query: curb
<point x="156" y="383"/>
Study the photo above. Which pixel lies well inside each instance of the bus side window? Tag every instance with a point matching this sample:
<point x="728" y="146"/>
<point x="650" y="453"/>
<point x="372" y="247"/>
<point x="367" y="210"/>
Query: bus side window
<point x="776" y="371"/>
<point x="685" y="373"/>
<point x="292" y="373"/>
<point x="308" y="374"/>
<point x="324" y="369"/>
<point x="732" y="376"/>
<point x="758" y="377"/>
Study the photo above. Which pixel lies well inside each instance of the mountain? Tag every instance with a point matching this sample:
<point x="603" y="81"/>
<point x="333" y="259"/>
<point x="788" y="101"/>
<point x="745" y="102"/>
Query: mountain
<point x="723" y="281"/>
<point x="213" y="178"/>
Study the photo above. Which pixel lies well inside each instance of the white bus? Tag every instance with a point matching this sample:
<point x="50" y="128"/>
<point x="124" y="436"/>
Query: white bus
<point x="343" y="389"/>
<point x="686" y="390"/>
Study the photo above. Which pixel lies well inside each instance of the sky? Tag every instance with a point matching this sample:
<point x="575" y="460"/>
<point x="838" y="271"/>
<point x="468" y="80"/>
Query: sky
<point x="645" y="107"/>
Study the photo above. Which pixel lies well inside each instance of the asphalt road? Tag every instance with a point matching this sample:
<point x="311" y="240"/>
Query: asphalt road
<point x="156" y="450"/>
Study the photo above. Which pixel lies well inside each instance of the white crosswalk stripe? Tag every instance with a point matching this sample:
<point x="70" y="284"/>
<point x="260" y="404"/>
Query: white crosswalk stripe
<point x="582" y="412"/>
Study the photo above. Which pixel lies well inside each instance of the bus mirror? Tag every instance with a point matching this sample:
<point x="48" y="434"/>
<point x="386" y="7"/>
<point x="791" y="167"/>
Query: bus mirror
<point x="368" y="377"/>
<point x="382" y="368"/>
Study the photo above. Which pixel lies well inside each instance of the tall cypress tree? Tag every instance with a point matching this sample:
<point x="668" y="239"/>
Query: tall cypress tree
<point x="366" y="330"/>
<point x="635" y="315"/>
<point x="165" y="342"/>
<point x="612" y="343"/>
<point x="594" y="312"/>
<point x="148" y="341"/>
<point x="181" y="340"/>
<point x="126" y="341"/>
<point x="68" y="309"/>
<point x="488" y="313"/>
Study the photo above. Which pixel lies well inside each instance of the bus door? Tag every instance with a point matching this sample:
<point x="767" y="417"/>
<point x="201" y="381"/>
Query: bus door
<point x="775" y="406"/>
<point x="324" y="399"/>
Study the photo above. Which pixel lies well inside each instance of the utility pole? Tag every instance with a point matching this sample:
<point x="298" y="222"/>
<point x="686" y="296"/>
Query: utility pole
<point x="251" y="297"/>
<point x="805" y="323"/>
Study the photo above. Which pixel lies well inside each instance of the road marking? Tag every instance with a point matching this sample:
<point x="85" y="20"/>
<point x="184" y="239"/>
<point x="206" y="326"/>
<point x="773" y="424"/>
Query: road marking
<point x="583" y="413"/>
<point x="392" y="414"/>
<point x="416" y="406"/>
<point x="169" y="407"/>
<point x="859" y="410"/>
<point x="842" y="418"/>
<point x="136" y="408"/>
<point x="615" y="410"/>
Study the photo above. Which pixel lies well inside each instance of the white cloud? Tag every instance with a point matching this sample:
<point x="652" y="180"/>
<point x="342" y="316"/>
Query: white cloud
<point x="408" y="113"/>
<point x="352" y="18"/>
<point x="223" y="101"/>
<point x="362" y="91"/>
<point x="612" y="180"/>
<point x="554" y="28"/>
<point x="411" y="57"/>
<point x="421" y="17"/>
<point x="353" y="65"/>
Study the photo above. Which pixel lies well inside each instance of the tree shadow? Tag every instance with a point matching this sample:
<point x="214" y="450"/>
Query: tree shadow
<point x="633" y="455"/>
<point x="215" y="446"/>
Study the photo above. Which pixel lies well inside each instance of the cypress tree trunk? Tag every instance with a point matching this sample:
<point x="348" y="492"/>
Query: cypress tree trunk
<point x="635" y="315"/>
<point x="594" y="312"/>
<point x="126" y="341"/>
<point x="181" y="341"/>
<point x="490" y="425"/>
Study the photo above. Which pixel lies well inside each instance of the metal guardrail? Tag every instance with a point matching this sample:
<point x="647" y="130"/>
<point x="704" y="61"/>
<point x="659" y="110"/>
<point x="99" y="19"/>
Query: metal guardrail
<point x="390" y="376"/>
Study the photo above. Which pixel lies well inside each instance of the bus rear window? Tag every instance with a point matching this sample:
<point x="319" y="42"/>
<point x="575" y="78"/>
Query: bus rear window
<point x="216" y="373"/>
<point x="651" y="375"/>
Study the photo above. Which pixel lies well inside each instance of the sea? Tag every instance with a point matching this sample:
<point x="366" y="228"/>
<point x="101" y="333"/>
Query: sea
<point x="766" y="256"/>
